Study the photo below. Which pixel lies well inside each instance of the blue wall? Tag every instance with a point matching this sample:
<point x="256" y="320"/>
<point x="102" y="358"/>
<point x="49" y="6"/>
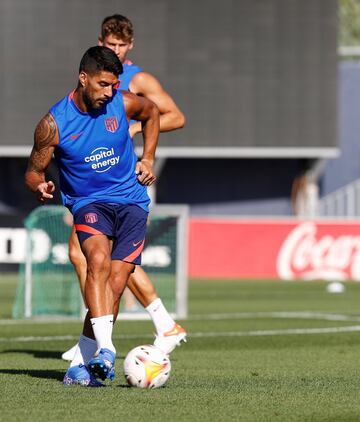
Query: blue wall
<point x="346" y="168"/>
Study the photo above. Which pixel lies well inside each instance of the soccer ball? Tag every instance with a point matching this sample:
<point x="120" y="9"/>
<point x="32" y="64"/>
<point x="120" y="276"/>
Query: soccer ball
<point x="147" y="367"/>
<point x="335" y="287"/>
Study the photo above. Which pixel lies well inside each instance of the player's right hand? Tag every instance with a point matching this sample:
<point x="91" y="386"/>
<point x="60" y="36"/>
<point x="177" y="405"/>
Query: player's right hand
<point x="145" y="173"/>
<point x="44" y="191"/>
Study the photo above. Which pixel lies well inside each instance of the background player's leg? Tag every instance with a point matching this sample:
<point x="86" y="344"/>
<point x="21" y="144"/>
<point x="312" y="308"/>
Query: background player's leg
<point x="142" y="287"/>
<point x="144" y="290"/>
<point x="120" y="272"/>
<point x="78" y="260"/>
<point x="168" y="333"/>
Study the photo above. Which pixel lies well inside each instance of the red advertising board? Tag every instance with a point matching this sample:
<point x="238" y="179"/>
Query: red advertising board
<point x="285" y="249"/>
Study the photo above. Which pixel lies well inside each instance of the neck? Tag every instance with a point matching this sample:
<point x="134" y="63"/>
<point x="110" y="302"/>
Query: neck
<point x="79" y="100"/>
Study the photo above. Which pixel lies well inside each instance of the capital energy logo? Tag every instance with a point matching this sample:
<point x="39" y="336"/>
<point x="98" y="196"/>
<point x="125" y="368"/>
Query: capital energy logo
<point x="102" y="159"/>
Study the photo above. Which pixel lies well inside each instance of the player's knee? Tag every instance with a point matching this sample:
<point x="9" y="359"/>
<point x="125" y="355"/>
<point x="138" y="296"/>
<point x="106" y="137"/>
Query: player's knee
<point x="99" y="261"/>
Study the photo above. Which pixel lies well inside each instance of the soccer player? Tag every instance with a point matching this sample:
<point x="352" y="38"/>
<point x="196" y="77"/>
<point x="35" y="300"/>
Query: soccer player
<point x="103" y="185"/>
<point x="117" y="33"/>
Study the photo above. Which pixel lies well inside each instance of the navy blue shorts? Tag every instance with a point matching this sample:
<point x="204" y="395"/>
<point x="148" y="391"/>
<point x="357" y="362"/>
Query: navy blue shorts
<point x="124" y="224"/>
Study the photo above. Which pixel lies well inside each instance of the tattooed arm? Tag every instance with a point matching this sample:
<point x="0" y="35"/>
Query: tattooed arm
<point x="45" y="140"/>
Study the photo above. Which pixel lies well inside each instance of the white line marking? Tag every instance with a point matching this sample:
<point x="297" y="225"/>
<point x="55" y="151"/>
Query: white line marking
<point x="239" y="315"/>
<point x="280" y="315"/>
<point x="62" y="338"/>
<point x="290" y="331"/>
<point x="257" y="333"/>
<point x="203" y="317"/>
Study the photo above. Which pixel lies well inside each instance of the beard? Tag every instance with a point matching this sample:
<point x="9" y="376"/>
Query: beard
<point x="90" y="103"/>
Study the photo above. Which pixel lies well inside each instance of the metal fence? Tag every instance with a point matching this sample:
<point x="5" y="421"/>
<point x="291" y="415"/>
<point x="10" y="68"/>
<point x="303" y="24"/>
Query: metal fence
<point x="344" y="202"/>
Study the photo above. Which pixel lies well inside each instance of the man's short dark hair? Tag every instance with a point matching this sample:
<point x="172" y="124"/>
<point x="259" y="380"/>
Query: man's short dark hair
<point x="97" y="59"/>
<point x="119" y="26"/>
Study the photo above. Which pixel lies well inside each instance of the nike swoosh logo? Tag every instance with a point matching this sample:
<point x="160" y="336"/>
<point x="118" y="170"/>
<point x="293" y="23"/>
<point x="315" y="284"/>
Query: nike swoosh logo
<point x="76" y="135"/>
<point x="137" y="243"/>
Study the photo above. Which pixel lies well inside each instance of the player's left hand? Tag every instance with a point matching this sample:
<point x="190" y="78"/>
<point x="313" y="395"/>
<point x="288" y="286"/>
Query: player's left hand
<point x="145" y="172"/>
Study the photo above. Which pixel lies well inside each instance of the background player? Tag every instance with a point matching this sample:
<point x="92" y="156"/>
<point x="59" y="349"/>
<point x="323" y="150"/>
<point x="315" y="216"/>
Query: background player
<point x="117" y="33"/>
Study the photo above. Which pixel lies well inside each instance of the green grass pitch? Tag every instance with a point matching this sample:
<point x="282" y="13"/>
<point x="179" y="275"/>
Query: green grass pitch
<point x="257" y="351"/>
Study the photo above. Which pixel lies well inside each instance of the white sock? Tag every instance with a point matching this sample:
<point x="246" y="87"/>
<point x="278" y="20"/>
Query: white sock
<point x="85" y="351"/>
<point x="160" y="316"/>
<point x="102" y="327"/>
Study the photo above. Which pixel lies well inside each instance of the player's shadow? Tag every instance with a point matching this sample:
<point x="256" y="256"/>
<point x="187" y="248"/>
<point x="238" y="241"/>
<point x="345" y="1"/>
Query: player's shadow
<point x="35" y="373"/>
<point x="123" y="386"/>
<point x="41" y="354"/>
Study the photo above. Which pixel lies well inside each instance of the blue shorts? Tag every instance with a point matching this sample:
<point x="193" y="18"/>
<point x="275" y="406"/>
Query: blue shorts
<point x="124" y="224"/>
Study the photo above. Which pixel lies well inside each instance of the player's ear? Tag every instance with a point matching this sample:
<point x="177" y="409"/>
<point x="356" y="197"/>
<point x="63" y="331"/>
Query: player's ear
<point x="82" y="78"/>
<point x="131" y="45"/>
<point x="100" y="41"/>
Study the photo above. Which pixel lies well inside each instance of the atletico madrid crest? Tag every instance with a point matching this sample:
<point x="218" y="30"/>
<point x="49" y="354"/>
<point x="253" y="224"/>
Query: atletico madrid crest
<point x="111" y="124"/>
<point x="91" y="217"/>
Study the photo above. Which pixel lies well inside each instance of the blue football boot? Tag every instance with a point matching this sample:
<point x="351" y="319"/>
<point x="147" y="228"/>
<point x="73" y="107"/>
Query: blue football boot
<point x="103" y="365"/>
<point x="79" y="375"/>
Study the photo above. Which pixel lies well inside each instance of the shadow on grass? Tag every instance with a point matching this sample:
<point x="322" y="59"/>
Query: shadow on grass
<point x="123" y="386"/>
<point x="42" y="354"/>
<point x="35" y="373"/>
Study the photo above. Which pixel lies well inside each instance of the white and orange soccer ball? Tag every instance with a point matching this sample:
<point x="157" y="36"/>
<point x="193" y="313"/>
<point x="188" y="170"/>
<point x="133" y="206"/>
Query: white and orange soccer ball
<point x="147" y="367"/>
